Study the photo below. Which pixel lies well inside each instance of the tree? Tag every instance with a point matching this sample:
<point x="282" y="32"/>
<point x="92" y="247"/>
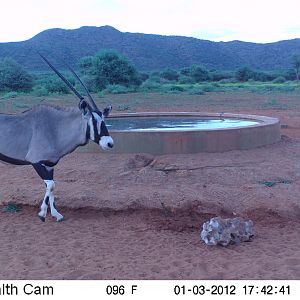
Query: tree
<point x="53" y="84"/>
<point x="199" y="73"/>
<point x="296" y="65"/>
<point x="260" y="76"/>
<point x="185" y="71"/>
<point x="106" y="68"/>
<point x="13" y="77"/>
<point x="243" y="74"/>
<point x="169" y="74"/>
<point x="217" y="75"/>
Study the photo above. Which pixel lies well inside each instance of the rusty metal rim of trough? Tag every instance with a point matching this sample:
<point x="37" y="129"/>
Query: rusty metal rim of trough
<point x="262" y="120"/>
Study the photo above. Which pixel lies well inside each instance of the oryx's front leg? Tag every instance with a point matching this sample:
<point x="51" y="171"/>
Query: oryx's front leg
<point x="46" y="173"/>
<point x="54" y="212"/>
<point x="44" y="207"/>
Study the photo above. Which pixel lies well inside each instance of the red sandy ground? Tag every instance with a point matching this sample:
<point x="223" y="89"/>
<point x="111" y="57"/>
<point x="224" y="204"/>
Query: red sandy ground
<point x="139" y="217"/>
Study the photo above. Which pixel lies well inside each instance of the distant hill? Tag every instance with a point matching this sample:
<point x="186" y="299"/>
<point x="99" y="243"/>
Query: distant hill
<point x="148" y="51"/>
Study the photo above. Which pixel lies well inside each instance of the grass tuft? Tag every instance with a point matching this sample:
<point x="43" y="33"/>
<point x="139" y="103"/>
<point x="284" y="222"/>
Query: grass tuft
<point x="12" y="207"/>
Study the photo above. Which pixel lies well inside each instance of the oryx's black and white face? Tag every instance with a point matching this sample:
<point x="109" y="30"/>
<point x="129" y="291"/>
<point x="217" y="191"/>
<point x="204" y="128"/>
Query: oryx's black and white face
<point x="96" y="128"/>
<point x="99" y="134"/>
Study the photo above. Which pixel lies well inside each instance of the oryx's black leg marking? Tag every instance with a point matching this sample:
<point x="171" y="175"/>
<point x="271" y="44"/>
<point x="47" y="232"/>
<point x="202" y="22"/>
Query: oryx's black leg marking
<point x="44" y="207"/>
<point x="46" y="173"/>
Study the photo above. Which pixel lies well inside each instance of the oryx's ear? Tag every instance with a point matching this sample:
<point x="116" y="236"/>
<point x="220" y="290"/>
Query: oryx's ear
<point x="83" y="106"/>
<point x="107" y="110"/>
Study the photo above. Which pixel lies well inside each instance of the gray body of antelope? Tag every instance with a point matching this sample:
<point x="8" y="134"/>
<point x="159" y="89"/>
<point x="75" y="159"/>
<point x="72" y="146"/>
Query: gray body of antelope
<point x="44" y="134"/>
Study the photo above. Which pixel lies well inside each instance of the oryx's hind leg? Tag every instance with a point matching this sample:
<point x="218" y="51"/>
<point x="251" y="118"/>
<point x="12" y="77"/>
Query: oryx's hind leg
<point x="46" y="173"/>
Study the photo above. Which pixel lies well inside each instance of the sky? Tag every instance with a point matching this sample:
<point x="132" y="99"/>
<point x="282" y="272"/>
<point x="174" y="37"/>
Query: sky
<point x="260" y="21"/>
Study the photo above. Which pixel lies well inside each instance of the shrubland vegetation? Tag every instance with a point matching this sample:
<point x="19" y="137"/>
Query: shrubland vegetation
<point x="13" y="77"/>
<point x="108" y="68"/>
<point x="108" y="72"/>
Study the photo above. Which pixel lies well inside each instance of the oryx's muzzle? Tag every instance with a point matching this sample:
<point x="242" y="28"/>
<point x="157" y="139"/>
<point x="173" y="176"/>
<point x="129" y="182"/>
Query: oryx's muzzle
<point x="106" y="142"/>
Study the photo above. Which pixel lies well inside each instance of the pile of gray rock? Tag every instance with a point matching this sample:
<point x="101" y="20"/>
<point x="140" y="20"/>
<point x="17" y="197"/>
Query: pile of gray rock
<point x="223" y="232"/>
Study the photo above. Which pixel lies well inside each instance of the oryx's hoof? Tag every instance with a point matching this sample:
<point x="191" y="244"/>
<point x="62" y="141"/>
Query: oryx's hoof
<point x="61" y="219"/>
<point x="42" y="218"/>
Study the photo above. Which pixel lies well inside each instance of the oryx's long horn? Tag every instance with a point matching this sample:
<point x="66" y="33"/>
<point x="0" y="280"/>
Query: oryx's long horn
<point x="67" y="82"/>
<point x="92" y="102"/>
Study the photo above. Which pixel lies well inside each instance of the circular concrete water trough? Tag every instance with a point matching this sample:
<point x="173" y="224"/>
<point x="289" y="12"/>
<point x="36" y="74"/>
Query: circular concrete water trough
<point x="186" y="132"/>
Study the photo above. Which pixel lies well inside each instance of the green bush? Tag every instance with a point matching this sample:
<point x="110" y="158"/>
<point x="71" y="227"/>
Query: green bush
<point x="251" y="81"/>
<point x="295" y="60"/>
<point x="143" y="76"/>
<point x="196" y="90"/>
<point x="109" y="68"/>
<point x="285" y="88"/>
<point x="13" y="77"/>
<point x="52" y="84"/>
<point x="89" y="83"/>
<point x="209" y="87"/>
<point x="169" y="74"/>
<point x="150" y="85"/>
<point x="221" y="75"/>
<point x="228" y="80"/>
<point x="260" y="76"/>
<point x="199" y="73"/>
<point x="289" y="74"/>
<point x="279" y="79"/>
<point x="272" y="87"/>
<point x="39" y="91"/>
<point x="243" y="74"/>
<point x="154" y="78"/>
<point x="185" y="71"/>
<point x="172" y="89"/>
<point x="101" y="94"/>
<point x="9" y="95"/>
<point x="183" y="79"/>
<point x="118" y="89"/>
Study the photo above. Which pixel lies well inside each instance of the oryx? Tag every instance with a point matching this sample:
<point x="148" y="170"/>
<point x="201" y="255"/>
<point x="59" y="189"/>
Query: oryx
<point x="44" y="134"/>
